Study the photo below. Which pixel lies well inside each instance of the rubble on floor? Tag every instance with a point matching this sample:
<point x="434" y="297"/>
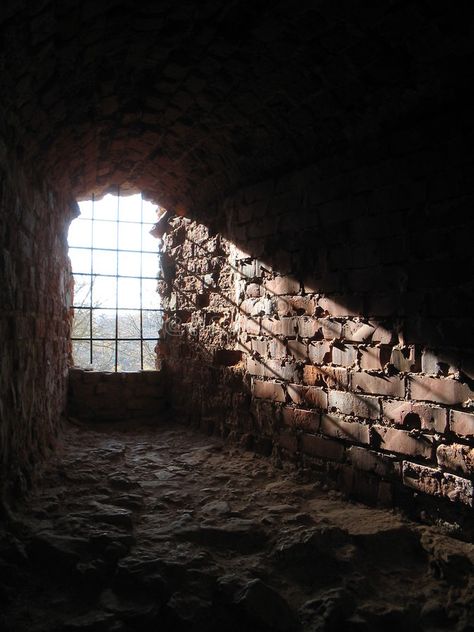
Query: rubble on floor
<point x="143" y="528"/>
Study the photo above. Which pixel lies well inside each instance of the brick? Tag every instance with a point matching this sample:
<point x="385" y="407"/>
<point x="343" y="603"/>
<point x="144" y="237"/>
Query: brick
<point x="422" y="478"/>
<point x="268" y="390"/>
<point x="456" y="458"/>
<point x="319" y="352"/>
<point x="332" y="377"/>
<point x="415" y="415"/>
<point x="462" y="423"/>
<point x="436" y="483"/>
<point x="298" y="349"/>
<point x="383" y="335"/>
<point x="322" y="448"/>
<point x="302" y="419"/>
<point x="331" y="329"/>
<point x="401" y="442"/>
<point x="282" y="370"/>
<point x="249" y="325"/>
<point x="282" y="285"/>
<point x="353" y="404"/>
<point x="311" y="396"/>
<point x="253" y="290"/>
<point x="405" y="359"/>
<point x="378" y="384"/>
<point x="277" y="348"/>
<point x="374" y="358"/>
<point x="353" y="431"/>
<point x="442" y="390"/>
<point x="308" y="327"/>
<point x="254" y="367"/>
<point x="255" y="307"/>
<point x="295" y="306"/>
<point x="260" y="346"/>
<point x="279" y="326"/>
<point x="437" y="363"/>
<point x="341" y="305"/>
<point x="382" y="465"/>
<point x="357" y="332"/>
<point x="288" y="442"/>
<point x="344" y="355"/>
<point x="458" y="489"/>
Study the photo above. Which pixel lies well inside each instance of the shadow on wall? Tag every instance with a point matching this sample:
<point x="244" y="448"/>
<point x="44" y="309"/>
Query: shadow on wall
<point x="328" y="321"/>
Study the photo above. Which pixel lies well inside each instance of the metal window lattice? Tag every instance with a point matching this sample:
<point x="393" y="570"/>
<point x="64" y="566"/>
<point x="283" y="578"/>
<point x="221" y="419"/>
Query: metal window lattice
<point x="117" y="336"/>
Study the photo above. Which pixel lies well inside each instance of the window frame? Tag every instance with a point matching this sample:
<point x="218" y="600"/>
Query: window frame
<point x="117" y="309"/>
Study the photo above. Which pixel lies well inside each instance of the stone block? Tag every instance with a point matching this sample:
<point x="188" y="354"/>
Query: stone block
<point x="441" y="390"/>
<point x="281" y="285"/>
<point x="344" y="355"/>
<point x="353" y="404"/>
<point x="268" y="390"/>
<point x="331" y="377"/>
<point x="401" y="442"/>
<point x="322" y="448"/>
<point x="311" y="396"/>
<point x="319" y="352"/>
<point x="415" y="415"/>
<point x="302" y="419"/>
<point x="462" y="423"/>
<point x="374" y="358"/>
<point x="383" y="465"/>
<point x="378" y="384"/>
<point x="338" y="428"/>
<point x="457" y="458"/>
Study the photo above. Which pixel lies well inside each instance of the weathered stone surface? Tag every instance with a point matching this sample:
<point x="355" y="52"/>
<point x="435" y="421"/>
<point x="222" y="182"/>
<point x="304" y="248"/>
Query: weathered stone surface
<point x="456" y="458"/>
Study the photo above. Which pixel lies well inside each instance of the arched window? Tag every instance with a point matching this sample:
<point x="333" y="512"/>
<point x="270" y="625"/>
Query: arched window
<point x="114" y="260"/>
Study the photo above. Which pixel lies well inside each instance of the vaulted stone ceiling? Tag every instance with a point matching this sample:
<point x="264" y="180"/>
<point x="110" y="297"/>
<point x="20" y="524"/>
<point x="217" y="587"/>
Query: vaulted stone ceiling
<point x="188" y="100"/>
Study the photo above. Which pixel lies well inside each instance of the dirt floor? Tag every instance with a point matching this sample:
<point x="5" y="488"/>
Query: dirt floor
<point x="165" y="529"/>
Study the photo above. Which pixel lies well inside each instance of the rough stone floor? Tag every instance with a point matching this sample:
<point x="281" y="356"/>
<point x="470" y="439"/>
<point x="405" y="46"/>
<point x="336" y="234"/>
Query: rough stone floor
<point x="164" y="529"/>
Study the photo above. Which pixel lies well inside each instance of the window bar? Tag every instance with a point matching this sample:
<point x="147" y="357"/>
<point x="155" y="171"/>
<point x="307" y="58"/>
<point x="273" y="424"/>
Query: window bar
<point x="116" y="279"/>
<point x="141" y="282"/>
<point x="91" y="281"/>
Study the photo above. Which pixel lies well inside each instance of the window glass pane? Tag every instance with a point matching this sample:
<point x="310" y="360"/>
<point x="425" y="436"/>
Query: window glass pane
<point x="105" y="262"/>
<point x="103" y="292"/>
<point x="80" y="259"/>
<point x="85" y="208"/>
<point x="152" y="323"/>
<point x="149" y="355"/>
<point x="82" y="290"/>
<point x="81" y="325"/>
<point x="105" y="235"/>
<point x="129" y="263"/>
<point x="103" y="323"/>
<point x="150" y="298"/>
<point x="129" y="293"/>
<point x="106" y="208"/>
<point x="130" y="208"/>
<point x="103" y="355"/>
<point x="150" y="214"/>
<point x="129" y="324"/>
<point x="149" y="242"/>
<point x="81" y="353"/>
<point x="80" y="232"/>
<point x="150" y="265"/>
<point x="129" y="237"/>
<point x="129" y="356"/>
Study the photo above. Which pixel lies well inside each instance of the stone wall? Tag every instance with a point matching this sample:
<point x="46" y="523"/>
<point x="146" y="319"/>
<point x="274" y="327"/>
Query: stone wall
<point x="100" y="396"/>
<point x="34" y="321"/>
<point x="331" y="325"/>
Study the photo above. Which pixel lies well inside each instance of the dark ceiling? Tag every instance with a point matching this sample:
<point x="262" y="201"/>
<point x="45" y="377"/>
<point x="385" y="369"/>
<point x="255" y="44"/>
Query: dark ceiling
<point x="189" y="100"/>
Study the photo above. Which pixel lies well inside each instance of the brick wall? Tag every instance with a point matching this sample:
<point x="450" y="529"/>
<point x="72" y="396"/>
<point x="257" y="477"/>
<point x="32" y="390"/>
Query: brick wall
<point x="331" y="324"/>
<point x="100" y="396"/>
<point x="34" y="322"/>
